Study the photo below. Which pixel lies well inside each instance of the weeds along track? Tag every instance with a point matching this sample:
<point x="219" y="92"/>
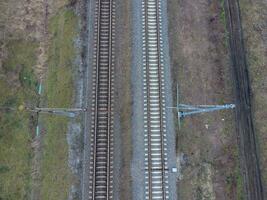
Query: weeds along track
<point x="156" y="172"/>
<point x="101" y="156"/>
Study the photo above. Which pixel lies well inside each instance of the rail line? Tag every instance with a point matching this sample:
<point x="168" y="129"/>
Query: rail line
<point x="101" y="154"/>
<point x="156" y="171"/>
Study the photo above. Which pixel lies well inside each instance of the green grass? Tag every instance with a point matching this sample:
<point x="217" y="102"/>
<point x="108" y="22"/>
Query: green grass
<point x="21" y="53"/>
<point x="238" y="176"/>
<point x="56" y="175"/>
<point x="59" y="86"/>
<point x="239" y="184"/>
<point x="17" y="86"/>
<point x="18" y="81"/>
<point x="234" y="179"/>
<point x="224" y="23"/>
<point x="15" y="156"/>
<point x="222" y="14"/>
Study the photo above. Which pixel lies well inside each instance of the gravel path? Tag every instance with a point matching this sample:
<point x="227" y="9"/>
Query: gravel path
<point x="137" y="169"/>
<point x="89" y="43"/>
<point x="171" y="145"/>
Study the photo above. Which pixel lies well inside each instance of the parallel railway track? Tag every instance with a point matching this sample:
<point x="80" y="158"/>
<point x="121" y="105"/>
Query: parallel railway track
<point x="101" y="156"/>
<point x="156" y="171"/>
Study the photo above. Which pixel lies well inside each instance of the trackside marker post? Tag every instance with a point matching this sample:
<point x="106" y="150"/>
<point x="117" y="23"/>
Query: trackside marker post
<point x="37" y="131"/>
<point x="40" y="89"/>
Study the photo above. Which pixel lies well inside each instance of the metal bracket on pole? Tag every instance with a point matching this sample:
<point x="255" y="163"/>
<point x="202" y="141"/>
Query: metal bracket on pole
<point x="184" y="110"/>
<point x="68" y="112"/>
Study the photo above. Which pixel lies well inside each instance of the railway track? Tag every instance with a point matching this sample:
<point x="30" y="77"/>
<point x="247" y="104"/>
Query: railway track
<point x="101" y="154"/>
<point x="156" y="171"/>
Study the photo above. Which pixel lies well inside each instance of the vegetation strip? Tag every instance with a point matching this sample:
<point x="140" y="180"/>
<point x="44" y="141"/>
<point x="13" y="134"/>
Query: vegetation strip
<point x="17" y="87"/>
<point x="56" y="177"/>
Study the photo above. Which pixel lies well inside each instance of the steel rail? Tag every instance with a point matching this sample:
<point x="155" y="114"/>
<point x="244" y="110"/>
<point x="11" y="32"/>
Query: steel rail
<point x="96" y="98"/>
<point x="109" y="96"/>
<point x="98" y="106"/>
<point x="148" y="108"/>
<point x="150" y="168"/>
<point x="160" y="96"/>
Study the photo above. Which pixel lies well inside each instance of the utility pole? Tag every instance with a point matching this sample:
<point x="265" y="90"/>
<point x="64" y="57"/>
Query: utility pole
<point x="184" y="110"/>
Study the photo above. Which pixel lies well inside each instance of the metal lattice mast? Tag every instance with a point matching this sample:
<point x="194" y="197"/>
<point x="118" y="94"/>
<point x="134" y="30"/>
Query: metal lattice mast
<point x="184" y="110"/>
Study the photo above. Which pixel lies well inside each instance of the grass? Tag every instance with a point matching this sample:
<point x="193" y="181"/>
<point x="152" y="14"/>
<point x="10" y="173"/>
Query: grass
<point x="17" y="86"/>
<point x="19" y="82"/>
<point x="15" y="155"/>
<point x="239" y="184"/>
<point x="59" y="85"/>
<point x="234" y="179"/>
<point x="224" y="23"/>
<point x="20" y="54"/>
<point x="222" y="14"/>
<point x="56" y="175"/>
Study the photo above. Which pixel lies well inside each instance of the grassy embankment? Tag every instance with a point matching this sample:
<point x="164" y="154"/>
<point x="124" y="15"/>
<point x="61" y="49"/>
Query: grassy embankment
<point x="17" y="86"/>
<point x="56" y="175"/>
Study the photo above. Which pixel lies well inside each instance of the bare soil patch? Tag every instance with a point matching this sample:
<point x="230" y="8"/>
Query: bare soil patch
<point x="123" y="96"/>
<point x="206" y="143"/>
<point x="253" y="19"/>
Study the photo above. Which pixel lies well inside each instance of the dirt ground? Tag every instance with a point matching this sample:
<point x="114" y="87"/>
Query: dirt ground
<point x="249" y="157"/>
<point x="123" y="92"/>
<point x="206" y="144"/>
<point x="254" y="23"/>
